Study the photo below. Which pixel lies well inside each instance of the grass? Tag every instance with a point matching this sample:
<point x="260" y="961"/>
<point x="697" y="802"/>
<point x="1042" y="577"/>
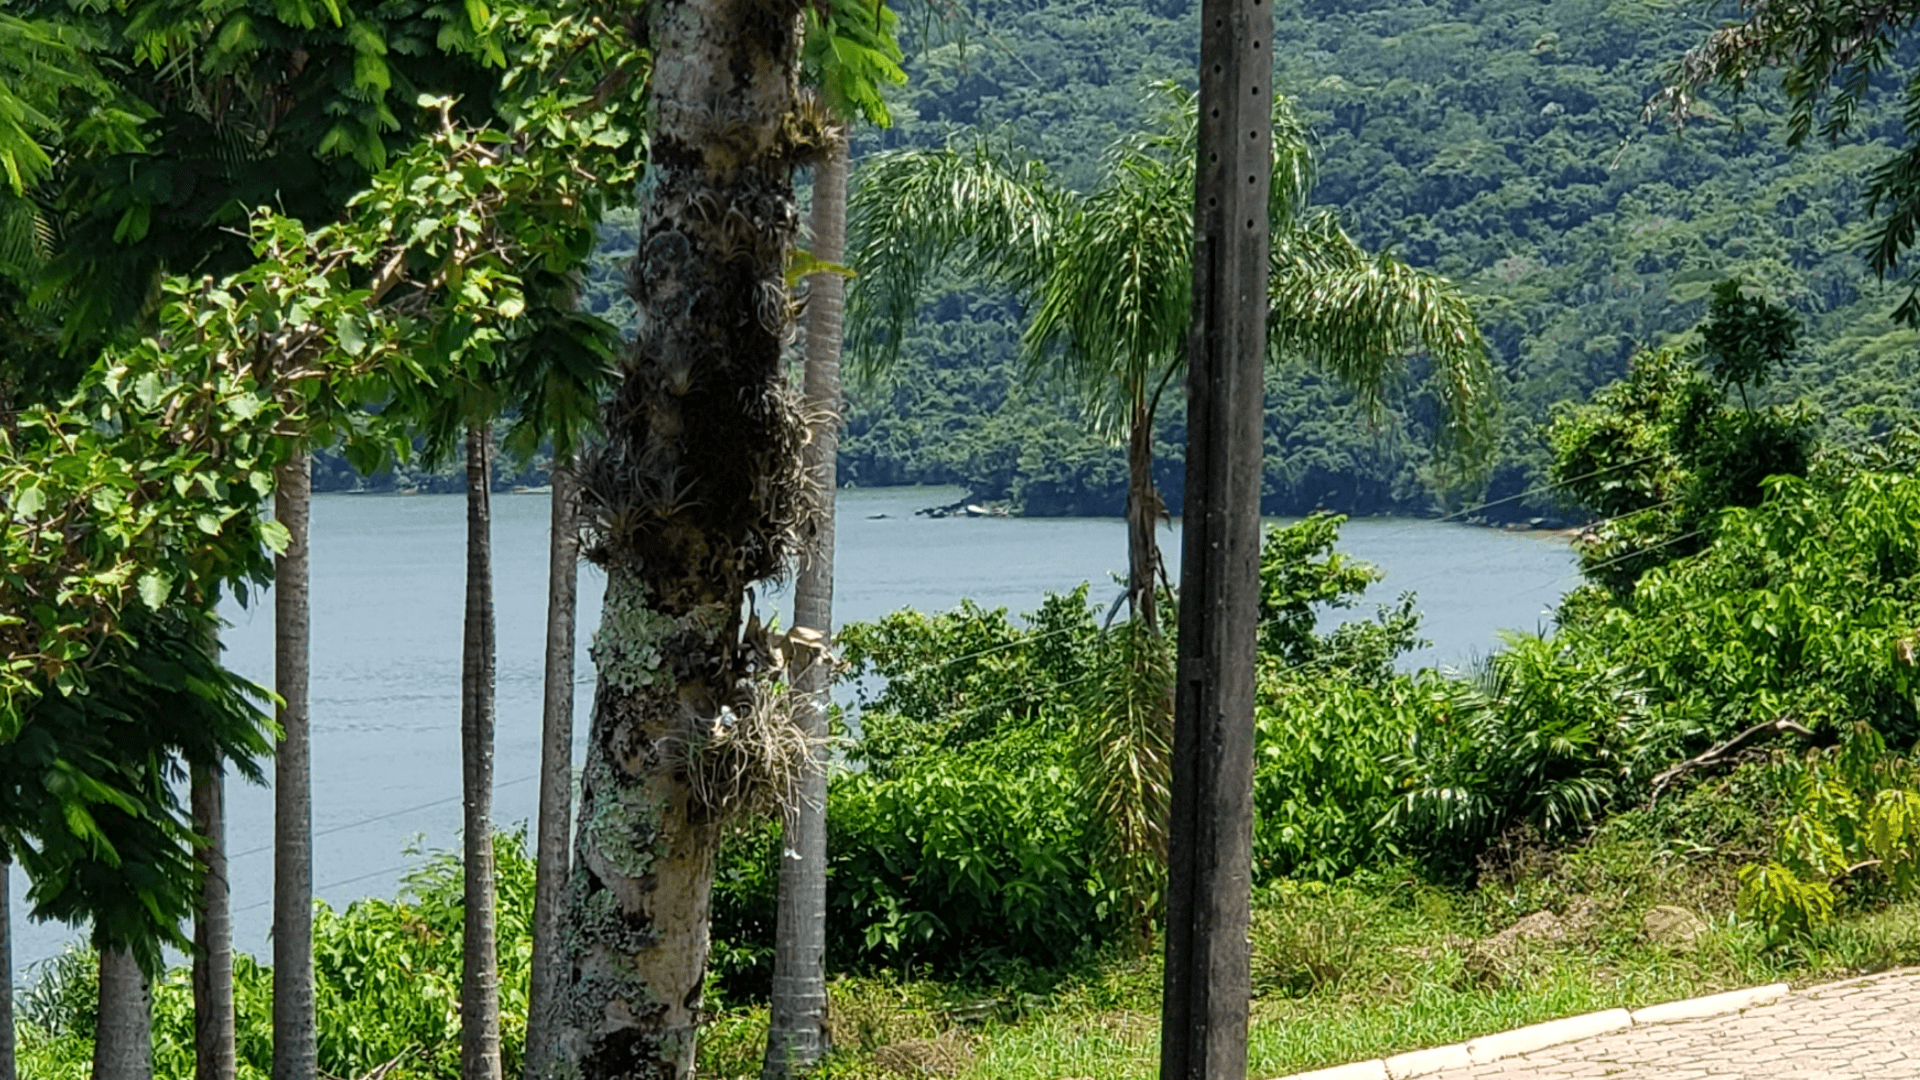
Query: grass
<point x="1377" y="964"/>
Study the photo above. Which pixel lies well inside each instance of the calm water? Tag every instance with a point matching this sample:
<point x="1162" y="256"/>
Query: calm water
<point x="387" y="594"/>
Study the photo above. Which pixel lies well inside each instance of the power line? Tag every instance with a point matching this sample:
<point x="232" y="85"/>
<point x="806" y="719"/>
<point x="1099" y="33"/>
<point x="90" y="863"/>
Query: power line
<point x="330" y="830"/>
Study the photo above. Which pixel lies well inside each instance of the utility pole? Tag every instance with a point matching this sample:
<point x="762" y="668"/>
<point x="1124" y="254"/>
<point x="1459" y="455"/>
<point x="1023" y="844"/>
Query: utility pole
<point x="1203" y="1032"/>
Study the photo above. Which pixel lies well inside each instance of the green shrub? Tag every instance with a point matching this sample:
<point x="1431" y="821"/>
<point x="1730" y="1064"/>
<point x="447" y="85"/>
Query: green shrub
<point x="1853" y="825"/>
<point x="957" y="836"/>
<point x="386" y="987"/>
<point x="1803" y="607"/>
<point x="961" y="863"/>
<point x="1321" y="781"/>
<point x="1540" y="737"/>
<point x="1330" y="712"/>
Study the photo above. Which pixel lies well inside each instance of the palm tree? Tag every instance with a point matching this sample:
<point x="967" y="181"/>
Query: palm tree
<point x="6" y="965"/>
<point x="295" y="1045"/>
<point x="479" y="966"/>
<point x="850" y="50"/>
<point x="1107" y="278"/>
<point x="696" y="494"/>
<point x="546" y="984"/>
<point x="123" y="1030"/>
<point x="797" y="1014"/>
<point x="213" y="1018"/>
<point x="557" y="377"/>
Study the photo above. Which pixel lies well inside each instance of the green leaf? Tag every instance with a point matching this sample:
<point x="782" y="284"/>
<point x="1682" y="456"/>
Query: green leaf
<point x="132" y="225"/>
<point x="275" y="536"/>
<point x="147" y="389"/>
<point x="370" y="72"/>
<point x="154" y="588"/>
<point x="29" y="501"/>
<point x="353" y="340"/>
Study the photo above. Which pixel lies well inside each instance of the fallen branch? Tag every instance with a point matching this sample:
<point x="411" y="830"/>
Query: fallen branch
<point x="1725" y="753"/>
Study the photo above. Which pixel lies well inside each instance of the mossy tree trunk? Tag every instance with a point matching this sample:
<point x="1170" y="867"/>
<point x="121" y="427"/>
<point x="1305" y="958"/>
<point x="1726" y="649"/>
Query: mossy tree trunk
<point x="797" y="1023"/>
<point x="695" y="495"/>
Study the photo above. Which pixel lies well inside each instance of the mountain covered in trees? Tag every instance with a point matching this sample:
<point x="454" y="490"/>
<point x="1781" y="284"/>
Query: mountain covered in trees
<point x="1501" y="142"/>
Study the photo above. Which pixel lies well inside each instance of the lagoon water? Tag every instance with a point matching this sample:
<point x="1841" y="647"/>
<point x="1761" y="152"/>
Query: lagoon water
<point x="387" y="594"/>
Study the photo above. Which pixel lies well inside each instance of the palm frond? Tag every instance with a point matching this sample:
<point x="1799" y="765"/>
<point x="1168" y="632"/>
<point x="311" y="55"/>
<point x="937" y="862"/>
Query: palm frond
<point x="1125" y="760"/>
<point x="26" y="236"/>
<point x="1362" y="316"/>
<point x="1114" y="306"/>
<point x="915" y="214"/>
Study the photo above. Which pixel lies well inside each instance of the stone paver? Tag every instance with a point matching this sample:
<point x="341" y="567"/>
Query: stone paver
<point x="1861" y="1029"/>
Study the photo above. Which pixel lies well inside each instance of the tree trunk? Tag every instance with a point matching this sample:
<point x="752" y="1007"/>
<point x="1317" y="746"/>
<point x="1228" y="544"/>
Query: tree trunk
<point x="294" y="1050"/>
<point x="123" y="1033"/>
<point x="213" y="1023"/>
<point x="1144" y="511"/>
<point x="479" y="972"/>
<point x="548" y="983"/>
<point x="696" y="494"/>
<point x="797" y="1022"/>
<point x="6" y="966"/>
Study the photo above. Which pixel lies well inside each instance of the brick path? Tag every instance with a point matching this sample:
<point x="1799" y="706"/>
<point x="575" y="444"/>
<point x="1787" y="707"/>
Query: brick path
<point x="1862" y="1029"/>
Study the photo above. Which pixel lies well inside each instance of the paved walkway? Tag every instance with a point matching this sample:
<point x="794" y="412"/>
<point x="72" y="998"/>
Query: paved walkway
<point x="1861" y="1029"/>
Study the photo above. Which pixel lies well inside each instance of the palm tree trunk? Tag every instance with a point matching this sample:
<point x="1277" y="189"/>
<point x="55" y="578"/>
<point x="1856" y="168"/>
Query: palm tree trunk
<point x="213" y="1023"/>
<point x="797" y="1024"/>
<point x="693" y="497"/>
<point x="1144" y="510"/>
<point x="123" y="1032"/>
<point x="548" y="982"/>
<point x="6" y="966"/>
<point x="479" y="972"/>
<point x="294" y="1050"/>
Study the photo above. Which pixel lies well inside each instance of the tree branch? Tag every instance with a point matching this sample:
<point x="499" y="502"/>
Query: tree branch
<point x="1723" y="754"/>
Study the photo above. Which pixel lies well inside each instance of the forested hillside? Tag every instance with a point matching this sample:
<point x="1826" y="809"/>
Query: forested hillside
<point x="1500" y="142"/>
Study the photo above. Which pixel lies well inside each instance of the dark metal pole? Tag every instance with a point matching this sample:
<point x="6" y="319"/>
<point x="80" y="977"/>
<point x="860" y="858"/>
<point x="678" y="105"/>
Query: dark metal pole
<point x="1203" y="1033"/>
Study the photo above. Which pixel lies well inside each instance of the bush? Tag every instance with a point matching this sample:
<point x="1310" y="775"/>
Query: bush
<point x="386" y="987"/>
<point x="1853" y="826"/>
<point x="1329" y="710"/>
<point x="1321" y="781"/>
<point x="1540" y="737"/>
<point x="961" y="864"/>
<point x="957" y="838"/>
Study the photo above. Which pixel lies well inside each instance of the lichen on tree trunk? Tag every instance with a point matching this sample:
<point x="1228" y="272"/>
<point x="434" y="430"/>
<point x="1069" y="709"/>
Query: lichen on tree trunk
<point x="694" y="496"/>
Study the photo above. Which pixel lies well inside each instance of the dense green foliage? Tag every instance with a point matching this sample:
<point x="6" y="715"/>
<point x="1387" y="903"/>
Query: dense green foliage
<point x="1496" y="142"/>
<point x="1656" y="456"/>
<point x="386" y="982"/>
<point x="958" y="839"/>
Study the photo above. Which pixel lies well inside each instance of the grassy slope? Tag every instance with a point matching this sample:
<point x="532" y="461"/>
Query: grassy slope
<point x="1376" y="965"/>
